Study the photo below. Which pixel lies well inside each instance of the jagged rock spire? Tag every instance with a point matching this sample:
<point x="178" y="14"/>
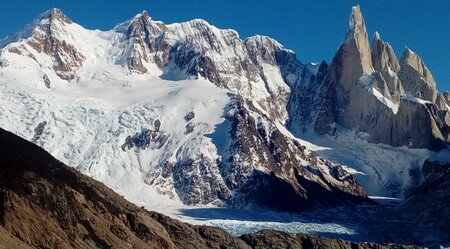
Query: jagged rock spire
<point x="360" y="38"/>
<point x="354" y="56"/>
<point x="356" y="21"/>
<point x="142" y="33"/>
<point x="385" y="61"/>
<point x="383" y="56"/>
<point x="410" y="58"/>
<point x="416" y="77"/>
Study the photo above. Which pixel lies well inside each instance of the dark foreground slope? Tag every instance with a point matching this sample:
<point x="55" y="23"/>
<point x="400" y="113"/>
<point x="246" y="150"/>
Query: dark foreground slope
<point x="430" y="204"/>
<point x="45" y="204"/>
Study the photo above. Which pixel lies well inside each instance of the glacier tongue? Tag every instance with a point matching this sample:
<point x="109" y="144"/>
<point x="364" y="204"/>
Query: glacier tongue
<point x="185" y="111"/>
<point x="187" y="140"/>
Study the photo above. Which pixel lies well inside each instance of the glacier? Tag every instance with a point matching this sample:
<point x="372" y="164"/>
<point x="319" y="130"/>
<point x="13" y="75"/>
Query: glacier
<point x="101" y="102"/>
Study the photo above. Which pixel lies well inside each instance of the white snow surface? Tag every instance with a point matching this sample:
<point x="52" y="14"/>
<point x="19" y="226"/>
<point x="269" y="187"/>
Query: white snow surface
<point x="366" y="80"/>
<point x="383" y="170"/>
<point x="89" y="118"/>
<point x="410" y="97"/>
<point x="88" y="121"/>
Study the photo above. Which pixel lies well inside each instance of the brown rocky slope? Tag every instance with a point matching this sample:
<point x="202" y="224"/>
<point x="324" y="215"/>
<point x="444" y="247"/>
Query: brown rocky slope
<point x="46" y="204"/>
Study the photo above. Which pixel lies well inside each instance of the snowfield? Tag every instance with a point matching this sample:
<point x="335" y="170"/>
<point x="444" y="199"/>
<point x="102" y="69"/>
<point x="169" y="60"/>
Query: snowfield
<point x="98" y="122"/>
<point x="383" y="170"/>
<point x="129" y="130"/>
<point x="87" y="122"/>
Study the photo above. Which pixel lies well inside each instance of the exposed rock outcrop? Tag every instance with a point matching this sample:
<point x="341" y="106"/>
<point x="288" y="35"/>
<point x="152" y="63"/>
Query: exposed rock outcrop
<point x="143" y="41"/>
<point x="44" y="204"/>
<point x="281" y="240"/>
<point x="361" y="90"/>
<point x="385" y="61"/>
<point x="353" y="58"/>
<point x="48" y="38"/>
<point x="416" y="77"/>
<point x="370" y="91"/>
<point x="264" y="167"/>
<point x="428" y="204"/>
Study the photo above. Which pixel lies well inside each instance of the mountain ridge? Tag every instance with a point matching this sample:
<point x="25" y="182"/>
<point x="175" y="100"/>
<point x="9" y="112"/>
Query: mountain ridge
<point x="118" y="100"/>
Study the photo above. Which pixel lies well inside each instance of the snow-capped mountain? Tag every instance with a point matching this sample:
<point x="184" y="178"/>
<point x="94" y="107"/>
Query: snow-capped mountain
<point x="187" y="111"/>
<point x="193" y="113"/>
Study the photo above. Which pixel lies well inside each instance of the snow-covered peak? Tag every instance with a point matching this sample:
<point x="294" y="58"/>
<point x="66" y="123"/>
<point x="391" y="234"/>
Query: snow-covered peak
<point x="201" y="33"/>
<point x="265" y="41"/>
<point x="262" y="39"/>
<point x="144" y="14"/>
<point x="140" y="19"/>
<point x="55" y="15"/>
<point x="142" y="22"/>
<point x="143" y="47"/>
<point x="51" y="23"/>
<point x="46" y="22"/>
<point x="268" y="50"/>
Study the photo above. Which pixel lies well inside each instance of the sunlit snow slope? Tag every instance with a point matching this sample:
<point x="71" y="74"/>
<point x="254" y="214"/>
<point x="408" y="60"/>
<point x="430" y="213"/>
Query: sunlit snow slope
<point x="184" y="111"/>
<point x="181" y="113"/>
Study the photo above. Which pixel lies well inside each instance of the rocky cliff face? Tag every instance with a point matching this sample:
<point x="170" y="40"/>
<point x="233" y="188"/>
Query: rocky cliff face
<point x="225" y="146"/>
<point x="279" y="240"/>
<point x="142" y="44"/>
<point x="427" y="205"/>
<point x="263" y="166"/>
<point x="385" y="61"/>
<point x="369" y="90"/>
<point x="44" y="204"/>
<point x="44" y="35"/>
<point x="287" y="182"/>
<point x="197" y="49"/>
<point x="106" y="90"/>
<point x="417" y="79"/>
<point x="353" y="58"/>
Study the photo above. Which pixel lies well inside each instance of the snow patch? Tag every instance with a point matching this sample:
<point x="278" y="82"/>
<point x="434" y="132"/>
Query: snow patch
<point x="381" y="169"/>
<point x="366" y="81"/>
<point x="410" y="97"/>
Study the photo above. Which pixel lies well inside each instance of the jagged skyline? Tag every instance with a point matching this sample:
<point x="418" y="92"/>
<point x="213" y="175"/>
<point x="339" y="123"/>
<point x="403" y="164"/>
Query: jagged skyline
<point x="415" y="26"/>
<point x="189" y="117"/>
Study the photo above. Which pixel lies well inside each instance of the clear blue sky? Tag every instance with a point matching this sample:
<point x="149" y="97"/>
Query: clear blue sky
<point x="313" y="29"/>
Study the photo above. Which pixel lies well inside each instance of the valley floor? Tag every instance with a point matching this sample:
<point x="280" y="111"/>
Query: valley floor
<point x="375" y="223"/>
